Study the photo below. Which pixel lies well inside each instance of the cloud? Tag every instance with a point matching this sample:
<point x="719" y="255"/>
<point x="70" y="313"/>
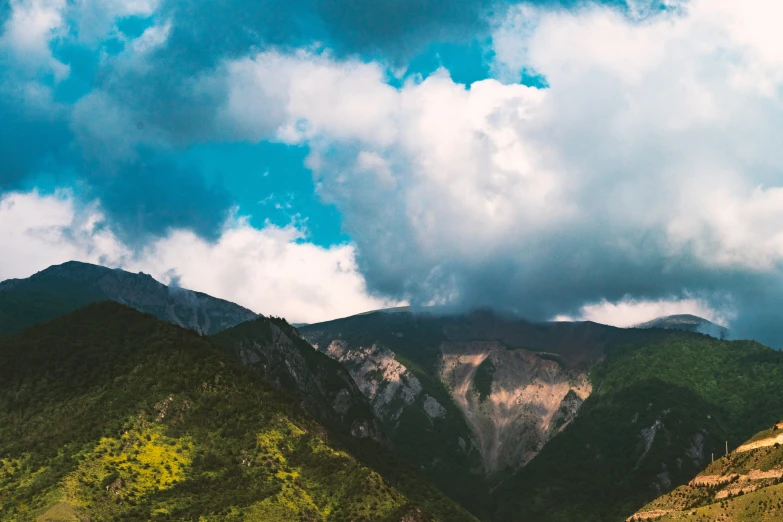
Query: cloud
<point x="269" y="271"/>
<point x="631" y="312"/>
<point x="112" y="98"/>
<point x="28" y="30"/>
<point x="648" y="170"/>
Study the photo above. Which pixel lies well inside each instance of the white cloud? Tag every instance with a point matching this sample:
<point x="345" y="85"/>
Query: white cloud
<point x="650" y="167"/>
<point x="269" y="271"/>
<point x="266" y="270"/>
<point x="631" y="312"/>
<point x="29" y="30"/>
<point x="97" y="18"/>
<point x="37" y="231"/>
<point x="304" y="96"/>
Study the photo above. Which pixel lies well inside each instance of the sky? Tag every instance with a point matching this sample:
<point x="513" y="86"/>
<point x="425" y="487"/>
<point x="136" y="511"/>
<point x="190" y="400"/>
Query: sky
<point x="609" y="161"/>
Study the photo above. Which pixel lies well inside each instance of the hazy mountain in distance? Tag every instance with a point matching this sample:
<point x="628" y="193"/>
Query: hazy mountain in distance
<point x="61" y="289"/>
<point x="687" y="323"/>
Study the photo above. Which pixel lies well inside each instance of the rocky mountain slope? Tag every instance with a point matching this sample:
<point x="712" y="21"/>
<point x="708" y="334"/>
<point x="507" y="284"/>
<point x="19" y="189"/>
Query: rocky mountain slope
<point x="661" y="405"/>
<point x="468" y="399"/>
<point x="687" y="323"/>
<point x="561" y="421"/>
<point x="110" y="414"/>
<point x="746" y="484"/>
<point x="63" y="288"/>
<point x="321" y="386"/>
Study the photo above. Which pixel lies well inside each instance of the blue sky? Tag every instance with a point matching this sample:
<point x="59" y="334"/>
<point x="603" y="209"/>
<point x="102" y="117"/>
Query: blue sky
<point x="265" y="179"/>
<point x="609" y="161"/>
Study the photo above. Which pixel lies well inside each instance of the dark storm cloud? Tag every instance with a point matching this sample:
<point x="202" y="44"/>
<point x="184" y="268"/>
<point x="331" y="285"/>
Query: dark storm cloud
<point x="30" y="141"/>
<point x="153" y="195"/>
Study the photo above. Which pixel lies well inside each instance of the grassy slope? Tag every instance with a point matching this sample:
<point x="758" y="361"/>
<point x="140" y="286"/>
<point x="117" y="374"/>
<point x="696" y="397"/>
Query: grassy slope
<point x="113" y="415"/>
<point x="598" y="470"/>
<point x="699" y="501"/>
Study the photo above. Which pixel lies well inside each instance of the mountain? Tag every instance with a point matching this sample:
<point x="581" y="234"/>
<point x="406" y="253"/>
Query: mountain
<point x="745" y="484"/>
<point x="111" y="414"/>
<point x="661" y="405"/>
<point x="553" y="421"/>
<point x="687" y="323"/>
<point x="61" y="289"/>
<point x="469" y="399"/>
<point x="321" y="386"/>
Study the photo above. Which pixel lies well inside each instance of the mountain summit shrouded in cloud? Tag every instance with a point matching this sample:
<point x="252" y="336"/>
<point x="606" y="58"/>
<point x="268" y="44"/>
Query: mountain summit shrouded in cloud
<point x="597" y="153"/>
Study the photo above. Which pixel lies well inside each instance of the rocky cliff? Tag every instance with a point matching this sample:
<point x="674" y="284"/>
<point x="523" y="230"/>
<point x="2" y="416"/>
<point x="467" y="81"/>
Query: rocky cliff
<point x="321" y="386"/>
<point x="514" y="400"/>
<point x="474" y="396"/>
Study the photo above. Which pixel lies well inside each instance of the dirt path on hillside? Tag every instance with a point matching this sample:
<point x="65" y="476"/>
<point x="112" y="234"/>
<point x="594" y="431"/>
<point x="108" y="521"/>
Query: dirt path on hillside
<point x="760" y="444"/>
<point x="647" y="515"/>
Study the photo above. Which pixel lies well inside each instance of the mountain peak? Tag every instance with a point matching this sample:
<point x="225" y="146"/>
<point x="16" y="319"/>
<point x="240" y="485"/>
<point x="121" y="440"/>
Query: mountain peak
<point x="687" y="323"/>
<point x="65" y="287"/>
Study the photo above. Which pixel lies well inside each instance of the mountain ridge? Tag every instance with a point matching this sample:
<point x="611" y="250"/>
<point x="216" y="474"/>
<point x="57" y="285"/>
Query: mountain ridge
<point x="63" y="288"/>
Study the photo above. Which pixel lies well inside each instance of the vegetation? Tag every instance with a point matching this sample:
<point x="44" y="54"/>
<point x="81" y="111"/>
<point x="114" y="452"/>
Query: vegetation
<point x="277" y="353"/>
<point x="741" y="486"/>
<point x="22" y="308"/>
<point x="431" y="445"/>
<point x="110" y="414"/>
<point x="660" y="407"/>
<point x="483" y="379"/>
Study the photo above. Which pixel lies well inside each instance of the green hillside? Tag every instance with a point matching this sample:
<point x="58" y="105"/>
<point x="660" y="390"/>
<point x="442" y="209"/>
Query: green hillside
<point x="110" y="414"/>
<point x="744" y="485"/>
<point x="660" y="407"/>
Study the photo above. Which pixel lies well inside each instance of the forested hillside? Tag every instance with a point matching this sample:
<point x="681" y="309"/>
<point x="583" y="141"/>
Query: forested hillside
<point x="111" y="414"/>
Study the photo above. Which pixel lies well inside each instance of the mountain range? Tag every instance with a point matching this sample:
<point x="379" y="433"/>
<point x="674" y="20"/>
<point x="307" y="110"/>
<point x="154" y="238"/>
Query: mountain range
<point x="510" y="419"/>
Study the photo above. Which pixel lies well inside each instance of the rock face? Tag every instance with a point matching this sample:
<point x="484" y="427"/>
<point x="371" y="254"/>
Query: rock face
<point x="508" y="392"/>
<point x="388" y="385"/>
<point x="322" y="386"/>
<point x="514" y="400"/>
<point x="63" y="288"/>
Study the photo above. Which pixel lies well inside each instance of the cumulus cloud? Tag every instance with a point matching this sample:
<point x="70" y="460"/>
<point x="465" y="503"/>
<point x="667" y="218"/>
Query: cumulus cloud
<point x="37" y="231"/>
<point x="29" y="29"/>
<point x="647" y="172"/>
<point x="631" y="312"/>
<point x="649" y="168"/>
<point x="269" y="270"/>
